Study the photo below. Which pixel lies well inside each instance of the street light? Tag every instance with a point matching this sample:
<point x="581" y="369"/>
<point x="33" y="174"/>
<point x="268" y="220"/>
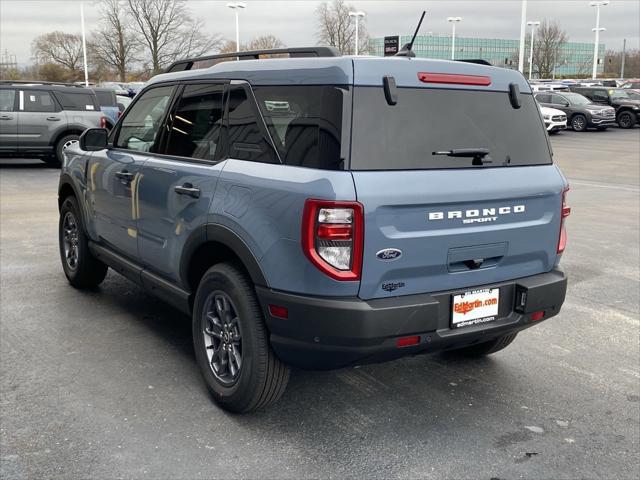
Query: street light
<point x="453" y="21"/>
<point x="235" y="6"/>
<point x="357" y="16"/>
<point x="533" y="26"/>
<point x="523" y="31"/>
<point x="597" y="4"/>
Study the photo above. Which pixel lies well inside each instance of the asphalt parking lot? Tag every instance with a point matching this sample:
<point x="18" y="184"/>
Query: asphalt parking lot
<point x="104" y="384"/>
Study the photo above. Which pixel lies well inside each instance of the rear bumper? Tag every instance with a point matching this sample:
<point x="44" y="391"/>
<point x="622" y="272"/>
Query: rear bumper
<point x="327" y="333"/>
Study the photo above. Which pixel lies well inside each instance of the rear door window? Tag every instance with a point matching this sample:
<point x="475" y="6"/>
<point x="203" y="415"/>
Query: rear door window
<point x="305" y="123"/>
<point x="38" y="101"/>
<point x="246" y="139"/>
<point x="195" y="124"/>
<point x="77" y="100"/>
<point x="406" y="136"/>
<point x="543" y="98"/>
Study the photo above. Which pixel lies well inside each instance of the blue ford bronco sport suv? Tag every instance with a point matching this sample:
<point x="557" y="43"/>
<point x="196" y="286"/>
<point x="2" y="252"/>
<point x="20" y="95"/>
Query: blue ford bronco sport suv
<point x="319" y="211"/>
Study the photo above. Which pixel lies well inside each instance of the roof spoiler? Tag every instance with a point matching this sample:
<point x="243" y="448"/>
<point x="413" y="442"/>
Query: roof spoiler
<point x="299" y="52"/>
<point x="478" y="61"/>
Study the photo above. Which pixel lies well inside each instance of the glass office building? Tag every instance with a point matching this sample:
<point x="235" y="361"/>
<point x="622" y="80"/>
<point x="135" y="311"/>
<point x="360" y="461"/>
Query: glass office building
<point x="575" y="59"/>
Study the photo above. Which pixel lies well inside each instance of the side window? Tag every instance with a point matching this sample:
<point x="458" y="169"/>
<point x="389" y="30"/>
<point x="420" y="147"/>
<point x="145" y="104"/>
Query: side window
<point x="600" y="96"/>
<point x="7" y="100"/>
<point x="141" y="124"/>
<point x="543" y="98"/>
<point x="196" y="122"/>
<point x="558" y="100"/>
<point x="38" y="101"/>
<point x="245" y="137"/>
<point x="77" y="100"/>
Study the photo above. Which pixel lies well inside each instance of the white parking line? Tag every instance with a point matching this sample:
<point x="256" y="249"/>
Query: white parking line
<point x="613" y="186"/>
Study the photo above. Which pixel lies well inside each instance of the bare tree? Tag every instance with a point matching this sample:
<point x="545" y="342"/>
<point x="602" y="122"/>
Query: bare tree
<point x="114" y="44"/>
<point x="547" y="49"/>
<point x="168" y="31"/>
<point x="64" y="49"/>
<point x="337" y="29"/>
<point x="265" y="42"/>
<point x="613" y="63"/>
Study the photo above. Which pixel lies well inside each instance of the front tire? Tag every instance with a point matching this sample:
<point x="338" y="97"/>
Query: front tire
<point x="626" y="120"/>
<point x="231" y="342"/>
<point x="486" y="348"/>
<point x="579" y="123"/>
<point x="81" y="268"/>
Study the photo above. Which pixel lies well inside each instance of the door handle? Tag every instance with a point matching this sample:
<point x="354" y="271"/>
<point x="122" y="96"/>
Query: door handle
<point x="6" y="117"/>
<point x="187" y="189"/>
<point x="53" y="119"/>
<point x="125" y="176"/>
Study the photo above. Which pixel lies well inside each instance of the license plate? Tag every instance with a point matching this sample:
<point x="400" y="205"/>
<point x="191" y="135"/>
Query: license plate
<point x="475" y="307"/>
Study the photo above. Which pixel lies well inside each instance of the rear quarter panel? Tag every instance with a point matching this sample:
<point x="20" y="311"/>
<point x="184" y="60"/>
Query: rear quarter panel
<point x="263" y="204"/>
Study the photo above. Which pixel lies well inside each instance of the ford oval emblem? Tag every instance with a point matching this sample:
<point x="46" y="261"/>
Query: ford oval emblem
<point x="389" y="254"/>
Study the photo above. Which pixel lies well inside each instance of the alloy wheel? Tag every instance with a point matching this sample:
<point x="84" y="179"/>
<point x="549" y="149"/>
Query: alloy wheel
<point x="222" y="338"/>
<point x="70" y="237"/>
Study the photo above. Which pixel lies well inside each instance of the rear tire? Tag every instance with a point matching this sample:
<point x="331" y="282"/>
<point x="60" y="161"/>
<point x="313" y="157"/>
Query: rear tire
<point x="63" y="143"/>
<point x="82" y="269"/>
<point x="626" y="120"/>
<point x="486" y="348"/>
<point x="579" y="123"/>
<point x="231" y="342"/>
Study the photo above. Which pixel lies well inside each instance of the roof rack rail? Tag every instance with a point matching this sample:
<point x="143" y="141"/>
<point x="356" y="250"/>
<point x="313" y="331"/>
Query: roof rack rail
<point x="187" y="64"/>
<point x="478" y="61"/>
<point x="40" y="82"/>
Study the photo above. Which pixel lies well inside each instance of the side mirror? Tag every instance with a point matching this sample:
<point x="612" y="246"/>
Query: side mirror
<point x="94" y="139"/>
<point x="566" y="104"/>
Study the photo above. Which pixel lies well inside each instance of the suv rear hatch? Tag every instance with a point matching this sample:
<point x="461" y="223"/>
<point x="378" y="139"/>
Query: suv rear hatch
<point x="435" y="222"/>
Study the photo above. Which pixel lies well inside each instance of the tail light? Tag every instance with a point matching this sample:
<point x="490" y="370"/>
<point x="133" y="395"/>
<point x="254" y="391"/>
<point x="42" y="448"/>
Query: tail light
<point x="103" y="122"/>
<point x="332" y="237"/>
<point x="564" y="213"/>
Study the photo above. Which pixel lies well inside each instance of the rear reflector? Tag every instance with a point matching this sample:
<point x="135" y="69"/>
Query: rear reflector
<point x="535" y="316"/>
<point x="408" y="341"/>
<point x="454" y="78"/>
<point x="278" y="311"/>
<point x="565" y="211"/>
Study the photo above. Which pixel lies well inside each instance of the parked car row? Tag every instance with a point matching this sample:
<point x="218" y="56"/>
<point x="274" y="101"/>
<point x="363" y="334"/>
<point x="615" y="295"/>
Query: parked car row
<point x="41" y="119"/>
<point x="593" y="107"/>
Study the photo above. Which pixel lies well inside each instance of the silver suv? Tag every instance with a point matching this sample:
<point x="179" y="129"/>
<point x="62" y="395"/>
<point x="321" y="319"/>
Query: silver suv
<point x="41" y="119"/>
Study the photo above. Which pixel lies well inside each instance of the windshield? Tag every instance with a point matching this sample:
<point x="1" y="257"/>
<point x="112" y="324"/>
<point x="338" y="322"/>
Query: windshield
<point x="424" y="123"/>
<point x="618" y="94"/>
<point x="576" y="99"/>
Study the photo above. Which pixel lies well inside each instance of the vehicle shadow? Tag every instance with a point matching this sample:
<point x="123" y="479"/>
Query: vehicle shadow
<point x="20" y="163"/>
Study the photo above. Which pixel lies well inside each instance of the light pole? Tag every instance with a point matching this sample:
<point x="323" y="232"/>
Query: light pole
<point x="597" y="4"/>
<point x="84" y="46"/>
<point x="357" y="15"/>
<point x="453" y="21"/>
<point x="533" y="26"/>
<point x="235" y="6"/>
<point x="523" y="31"/>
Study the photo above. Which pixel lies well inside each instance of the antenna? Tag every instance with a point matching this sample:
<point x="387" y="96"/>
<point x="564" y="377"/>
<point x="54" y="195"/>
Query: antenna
<point x="406" y="49"/>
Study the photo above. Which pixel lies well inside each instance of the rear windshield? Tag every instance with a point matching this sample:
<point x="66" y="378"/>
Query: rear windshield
<point x="305" y="123"/>
<point x="76" y="100"/>
<point x="406" y="135"/>
<point x="106" y="98"/>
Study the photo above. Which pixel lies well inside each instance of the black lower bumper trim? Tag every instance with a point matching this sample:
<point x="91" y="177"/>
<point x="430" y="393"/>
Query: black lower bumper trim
<point x="326" y="333"/>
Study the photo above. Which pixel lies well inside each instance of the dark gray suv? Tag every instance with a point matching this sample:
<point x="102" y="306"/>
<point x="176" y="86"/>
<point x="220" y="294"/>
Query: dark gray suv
<point x="41" y="119"/>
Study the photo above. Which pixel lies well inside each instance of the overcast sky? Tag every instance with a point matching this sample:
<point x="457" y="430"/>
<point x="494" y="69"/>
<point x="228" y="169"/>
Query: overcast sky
<point x="294" y="21"/>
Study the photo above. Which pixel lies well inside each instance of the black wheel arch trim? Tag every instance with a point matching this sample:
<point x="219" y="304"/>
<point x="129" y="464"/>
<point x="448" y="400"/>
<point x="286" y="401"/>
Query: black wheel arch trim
<point x="67" y="181"/>
<point x="213" y="232"/>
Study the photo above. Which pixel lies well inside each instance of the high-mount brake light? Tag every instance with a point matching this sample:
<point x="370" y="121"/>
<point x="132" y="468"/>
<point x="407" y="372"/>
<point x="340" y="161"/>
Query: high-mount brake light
<point x="565" y="211"/>
<point x="454" y="78"/>
<point x="332" y="237"/>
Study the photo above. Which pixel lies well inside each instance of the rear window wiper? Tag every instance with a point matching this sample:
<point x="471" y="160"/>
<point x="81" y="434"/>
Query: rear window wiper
<point x="477" y="154"/>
